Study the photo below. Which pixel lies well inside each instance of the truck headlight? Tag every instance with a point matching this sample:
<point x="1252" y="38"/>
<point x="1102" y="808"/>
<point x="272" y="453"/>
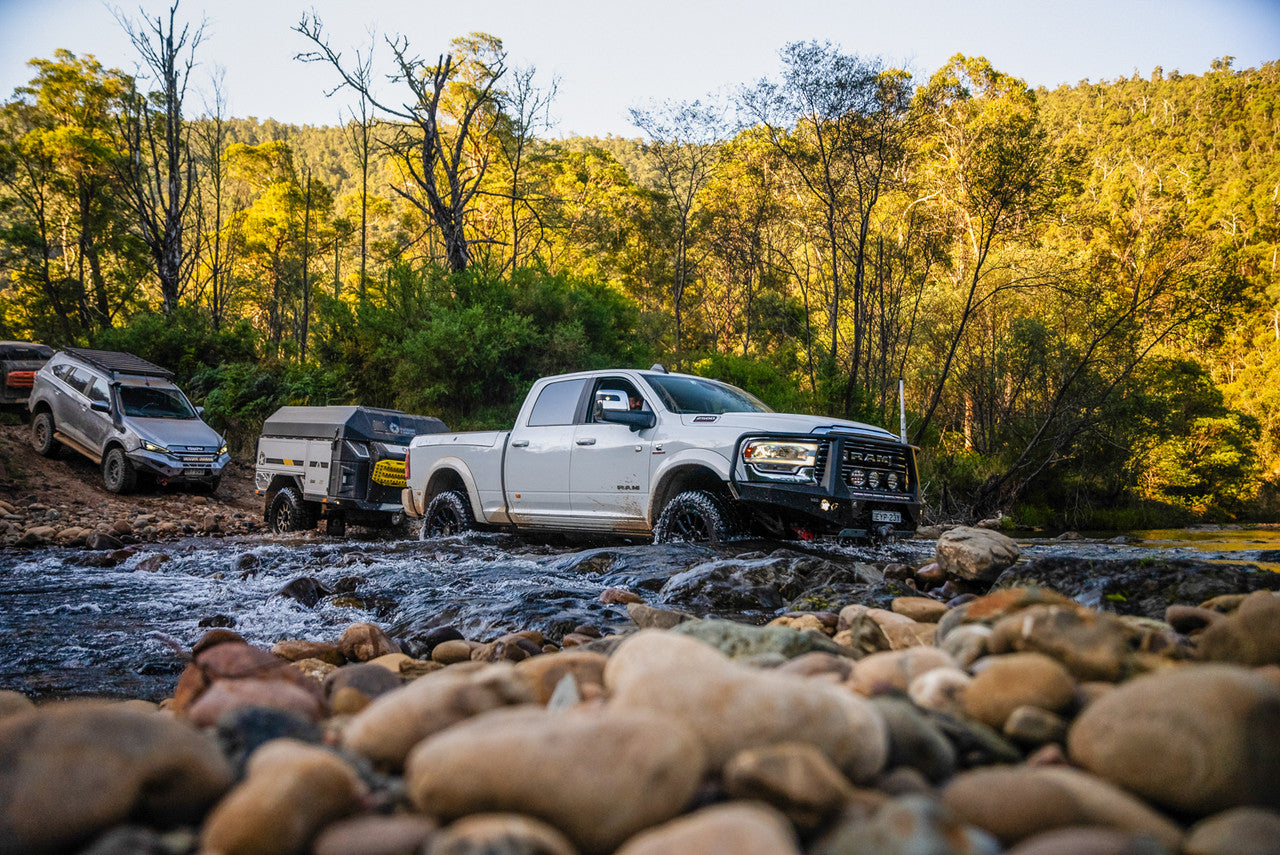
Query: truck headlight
<point x="151" y="446"/>
<point x="781" y="460"/>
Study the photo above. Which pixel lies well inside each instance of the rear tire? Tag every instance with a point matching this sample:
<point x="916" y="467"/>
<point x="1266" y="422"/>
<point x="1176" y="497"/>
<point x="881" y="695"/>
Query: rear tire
<point x="447" y="513"/>
<point x="42" y="430"/>
<point x="118" y="473"/>
<point x="290" y="512"/>
<point x="694" y="516"/>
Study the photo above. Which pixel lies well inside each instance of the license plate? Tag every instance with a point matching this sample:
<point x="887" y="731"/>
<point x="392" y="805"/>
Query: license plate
<point x="195" y="471"/>
<point x="886" y="516"/>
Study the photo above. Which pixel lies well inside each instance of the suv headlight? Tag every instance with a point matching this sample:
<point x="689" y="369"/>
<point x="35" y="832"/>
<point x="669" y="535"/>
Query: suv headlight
<point x="781" y="460"/>
<point x="222" y="449"/>
<point x="151" y="446"/>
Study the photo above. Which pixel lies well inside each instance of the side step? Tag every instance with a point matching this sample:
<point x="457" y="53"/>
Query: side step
<point x="80" y="447"/>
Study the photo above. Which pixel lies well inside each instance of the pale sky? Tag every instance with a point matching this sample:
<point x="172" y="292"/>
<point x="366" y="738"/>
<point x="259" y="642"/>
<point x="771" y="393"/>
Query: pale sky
<point x="611" y="56"/>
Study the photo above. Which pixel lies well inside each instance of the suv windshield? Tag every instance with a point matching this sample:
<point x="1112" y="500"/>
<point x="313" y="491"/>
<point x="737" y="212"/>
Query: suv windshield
<point x="151" y="402"/>
<point x="689" y="395"/>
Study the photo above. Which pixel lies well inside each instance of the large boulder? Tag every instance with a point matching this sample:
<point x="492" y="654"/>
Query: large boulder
<point x="976" y="554"/>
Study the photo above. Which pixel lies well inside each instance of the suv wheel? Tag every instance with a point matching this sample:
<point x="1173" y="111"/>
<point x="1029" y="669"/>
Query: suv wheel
<point x="694" y="516"/>
<point x="118" y="473"/>
<point x="290" y="512"/>
<point x="448" y="513"/>
<point x="42" y="431"/>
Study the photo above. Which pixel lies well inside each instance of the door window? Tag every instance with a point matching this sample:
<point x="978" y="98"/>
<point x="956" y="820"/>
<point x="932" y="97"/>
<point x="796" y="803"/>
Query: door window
<point x="80" y="380"/>
<point x="98" y="391"/>
<point x="557" y="403"/>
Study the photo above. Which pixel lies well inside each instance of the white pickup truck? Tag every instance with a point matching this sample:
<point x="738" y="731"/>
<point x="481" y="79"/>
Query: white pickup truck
<point x="666" y="456"/>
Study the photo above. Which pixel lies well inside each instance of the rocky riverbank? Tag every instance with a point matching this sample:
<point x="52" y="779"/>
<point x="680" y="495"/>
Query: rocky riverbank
<point x="1009" y="720"/>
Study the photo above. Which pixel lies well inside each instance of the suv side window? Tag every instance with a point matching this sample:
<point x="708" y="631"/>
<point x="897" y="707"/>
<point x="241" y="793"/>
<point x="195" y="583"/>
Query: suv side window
<point x="80" y="380"/>
<point x="98" y="391"/>
<point x="62" y="372"/>
<point x="557" y="403"/>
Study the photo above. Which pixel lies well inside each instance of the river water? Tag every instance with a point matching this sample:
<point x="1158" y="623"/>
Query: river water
<point x="71" y="628"/>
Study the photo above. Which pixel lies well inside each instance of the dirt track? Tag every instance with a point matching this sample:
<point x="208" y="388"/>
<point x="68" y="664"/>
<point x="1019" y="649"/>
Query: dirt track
<point x="66" y="493"/>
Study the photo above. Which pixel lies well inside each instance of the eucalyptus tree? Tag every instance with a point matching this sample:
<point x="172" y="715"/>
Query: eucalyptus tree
<point x="159" y="167"/>
<point x="440" y="131"/>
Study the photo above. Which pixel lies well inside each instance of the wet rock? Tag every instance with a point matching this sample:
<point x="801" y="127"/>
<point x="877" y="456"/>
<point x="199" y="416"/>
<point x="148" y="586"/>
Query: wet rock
<point x="1195" y="738"/>
<point x="402" y="834"/>
<point x="976" y="554"/>
<point x="216" y="621"/>
<point x="796" y="778"/>
<point x="276" y="692"/>
<point x="76" y="769"/>
<point x="363" y="642"/>
<point x="732" y="707"/>
<point x="648" y="617"/>
<point x="975" y="743"/>
<point x="423" y="644"/>
<point x="743" y="641"/>
<point x="599" y="776"/>
<point x="390" y="726"/>
<point x="893" y="670"/>
<point x="1090" y="841"/>
<point x="905" y="826"/>
<point x="806" y="622"/>
<point x="1238" y="831"/>
<point x="619" y="597"/>
<point x="731" y="829"/>
<point x="102" y="541"/>
<point x="362" y="679"/>
<point x="914" y="741"/>
<point x="1248" y="636"/>
<point x="1015" y="803"/>
<point x="1091" y="645"/>
<point x="500" y="834"/>
<point x="325" y="651"/>
<point x="291" y="792"/>
<point x="227" y="673"/>
<point x="152" y="562"/>
<point x="1144" y="586"/>
<point x="1004" y="683"/>
<point x="544" y="673"/>
<point x="305" y="590"/>
<point x="859" y="631"/>
<point x="512" y="647"/>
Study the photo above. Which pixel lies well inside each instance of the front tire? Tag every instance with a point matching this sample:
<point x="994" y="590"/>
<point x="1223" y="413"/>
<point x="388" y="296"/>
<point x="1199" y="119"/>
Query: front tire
<point x="694" y="516"/>
<point x="290" y="512"/>
<point x="448" y="513"/>
<point x="118" y="473"/>
<point x="42" y="430"/>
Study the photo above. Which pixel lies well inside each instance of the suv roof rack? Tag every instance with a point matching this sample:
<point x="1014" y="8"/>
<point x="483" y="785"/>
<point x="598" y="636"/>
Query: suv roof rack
<point x="115" y="362"/>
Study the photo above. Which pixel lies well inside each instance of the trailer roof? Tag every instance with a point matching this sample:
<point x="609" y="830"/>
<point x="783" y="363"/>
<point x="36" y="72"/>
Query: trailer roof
<point x="350" y="422"/>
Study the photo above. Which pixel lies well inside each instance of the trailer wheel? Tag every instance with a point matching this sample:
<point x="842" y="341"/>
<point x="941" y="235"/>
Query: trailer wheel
<point x="448" y="513"/>
<point x="290" y="512"/>
<point x="694" y="516"/>
<point x="42" y="431"/>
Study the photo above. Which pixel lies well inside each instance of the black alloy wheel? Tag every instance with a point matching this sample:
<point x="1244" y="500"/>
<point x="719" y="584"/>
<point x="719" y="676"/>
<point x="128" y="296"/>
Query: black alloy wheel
<point x="694" y="516"/>
<point x="448" y="513"/>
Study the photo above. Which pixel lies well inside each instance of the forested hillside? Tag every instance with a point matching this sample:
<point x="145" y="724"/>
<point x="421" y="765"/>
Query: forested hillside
<point x="1077" y="286"/>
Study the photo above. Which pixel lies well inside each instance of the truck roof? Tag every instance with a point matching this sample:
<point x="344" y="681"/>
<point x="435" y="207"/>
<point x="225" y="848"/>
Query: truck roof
<point x="116" y="362"/>
<point x="362" y="424"/>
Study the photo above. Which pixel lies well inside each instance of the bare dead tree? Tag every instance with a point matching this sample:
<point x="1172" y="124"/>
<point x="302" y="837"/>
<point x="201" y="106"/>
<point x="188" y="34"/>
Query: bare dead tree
<point x="527" y="110"/>
<point x="159" y="168"/>
<point x="437" y="142"/>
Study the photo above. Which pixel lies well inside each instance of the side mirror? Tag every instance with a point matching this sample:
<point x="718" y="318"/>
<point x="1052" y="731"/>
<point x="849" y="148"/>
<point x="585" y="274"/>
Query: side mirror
<point x="200" y="412"/>
<point x="612" y="400"/>
<point x="637" y="420"/>
<point x="100" y="406"/>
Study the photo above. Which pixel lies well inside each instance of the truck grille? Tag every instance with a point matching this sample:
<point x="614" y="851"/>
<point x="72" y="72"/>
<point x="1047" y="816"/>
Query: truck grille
<point x="876" y="468"/>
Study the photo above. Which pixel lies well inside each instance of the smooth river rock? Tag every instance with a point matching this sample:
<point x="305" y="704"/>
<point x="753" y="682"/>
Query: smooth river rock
<point x="70" y="771"/>
<point x="388" y="728"/>
<point x="794" y="777"/>
<point x="1195" y="738"/>
<point x="731" y="829"/>
<point x="976" y="553"/>
<point x="597" y="775"/>
<point x="292" y="791"/>
<point x="1004" y="683"/>
<point x="733" y="707"/>
<point x="499" y="834"/>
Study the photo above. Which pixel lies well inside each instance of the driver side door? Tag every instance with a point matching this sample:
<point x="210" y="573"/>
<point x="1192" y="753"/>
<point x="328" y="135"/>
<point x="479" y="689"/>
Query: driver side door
<point x="609" y="467"/>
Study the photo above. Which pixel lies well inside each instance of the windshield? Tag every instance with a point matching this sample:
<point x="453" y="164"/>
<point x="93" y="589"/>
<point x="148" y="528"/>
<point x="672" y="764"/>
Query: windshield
<point x="689" y="395"/>
<point x="151" y="402"/>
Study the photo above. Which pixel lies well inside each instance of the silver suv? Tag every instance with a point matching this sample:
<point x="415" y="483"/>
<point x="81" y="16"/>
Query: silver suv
<point x="126" y="414"/>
